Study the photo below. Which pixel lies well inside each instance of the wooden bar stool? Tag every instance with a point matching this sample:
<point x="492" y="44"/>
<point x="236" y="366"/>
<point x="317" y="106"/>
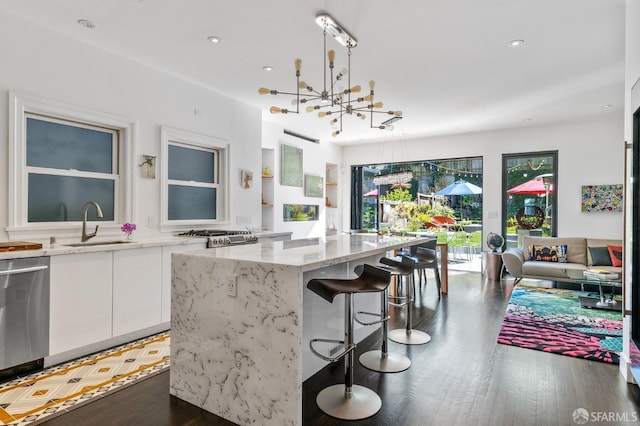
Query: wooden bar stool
<point x="348" y="401"/>
<point x="381" y="360"/>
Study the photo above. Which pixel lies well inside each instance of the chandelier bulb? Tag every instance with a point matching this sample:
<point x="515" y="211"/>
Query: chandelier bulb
<point x="368" y="98"/>
<point x="362" y="116"/>
<point x="322" y="114"/>
<point x="372" y="84"/>
<point x="311" y="108"/>
<point x="332" y="56"/>
<point x="397" y="113"/>
<point x="298" y="65"/>
<point x="265" y="91"/>
<point x="276" y="110"/>
<point x="378" y="105"/>
<point x="294" y="102"/>
<point x="388" y="127"/>
<point x="356" y="89"/>
<point x="333" y="121"/>
<point x="336" y="133"/>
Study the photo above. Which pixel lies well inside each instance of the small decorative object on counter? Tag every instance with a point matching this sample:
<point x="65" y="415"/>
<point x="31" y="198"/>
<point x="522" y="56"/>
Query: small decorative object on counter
<point x="128" y="229"/>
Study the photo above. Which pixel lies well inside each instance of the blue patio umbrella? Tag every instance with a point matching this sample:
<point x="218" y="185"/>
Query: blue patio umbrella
<point x="460" y="187"/>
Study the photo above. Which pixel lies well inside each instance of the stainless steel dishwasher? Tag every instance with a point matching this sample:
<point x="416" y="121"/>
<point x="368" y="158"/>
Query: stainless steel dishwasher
<point x="24" y="314"/>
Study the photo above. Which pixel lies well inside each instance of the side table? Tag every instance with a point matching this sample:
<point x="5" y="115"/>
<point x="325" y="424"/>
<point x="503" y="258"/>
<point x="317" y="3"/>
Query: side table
<point x="492" y="265"/>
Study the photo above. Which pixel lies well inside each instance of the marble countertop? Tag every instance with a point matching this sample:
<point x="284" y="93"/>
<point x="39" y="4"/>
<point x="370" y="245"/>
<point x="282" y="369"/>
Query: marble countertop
<point x="115" y="243"/>
<point x="110" y="244"/>
<point x="319" y="253"/>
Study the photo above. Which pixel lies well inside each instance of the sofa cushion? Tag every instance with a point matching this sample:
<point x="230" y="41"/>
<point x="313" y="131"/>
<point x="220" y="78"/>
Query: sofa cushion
<point x="549" y="253"/>
<point x="549" y="270"/>
<point x="576" y="246"/>
<point x="599" y="256"/>
<point x="600" y="242"/>
<point x="616" y="255"/>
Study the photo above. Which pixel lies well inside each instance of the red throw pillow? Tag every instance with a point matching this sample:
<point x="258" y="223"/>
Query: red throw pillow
<point x="616" y="255"/>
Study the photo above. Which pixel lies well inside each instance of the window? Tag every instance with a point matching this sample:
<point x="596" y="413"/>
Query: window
<point x="194" y="179"/>
<point x="61" y="157"/>
<point x="529" y="195"/>
<point x="370" y="211"/>
<point x="69" y="164"/>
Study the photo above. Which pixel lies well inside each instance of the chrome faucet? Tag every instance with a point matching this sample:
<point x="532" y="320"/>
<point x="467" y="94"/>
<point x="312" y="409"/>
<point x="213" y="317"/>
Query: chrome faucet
<point x="86" y="236"/>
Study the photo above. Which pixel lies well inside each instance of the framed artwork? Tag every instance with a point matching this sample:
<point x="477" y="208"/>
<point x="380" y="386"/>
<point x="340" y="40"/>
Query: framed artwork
<point x="313" y="186"/>
<point x="602" y="198"/>
<point x="299" y="212"/>
<point x="291" y="165"/>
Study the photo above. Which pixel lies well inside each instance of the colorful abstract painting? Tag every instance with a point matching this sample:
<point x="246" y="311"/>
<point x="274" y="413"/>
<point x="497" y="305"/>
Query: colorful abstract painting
<point x="602" y="198"/>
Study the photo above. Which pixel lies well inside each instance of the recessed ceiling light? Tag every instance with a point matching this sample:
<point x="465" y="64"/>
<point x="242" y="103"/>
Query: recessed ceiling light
<point x="515" y="43"/>
<point x="86" y="23"/>
<point x="214" y="39"/>
<point x="607" y="106"/>
<point x="267" y="68"/>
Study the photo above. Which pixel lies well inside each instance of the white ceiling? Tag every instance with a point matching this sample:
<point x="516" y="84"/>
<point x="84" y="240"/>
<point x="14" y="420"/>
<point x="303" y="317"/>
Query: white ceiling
<point x="445" y="63"/>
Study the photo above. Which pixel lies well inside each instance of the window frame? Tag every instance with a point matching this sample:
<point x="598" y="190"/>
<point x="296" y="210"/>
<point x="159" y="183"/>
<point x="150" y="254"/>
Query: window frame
<point x="553" y="196"/>
<point x="220" y="147"/>
<point x="22" y="106"/>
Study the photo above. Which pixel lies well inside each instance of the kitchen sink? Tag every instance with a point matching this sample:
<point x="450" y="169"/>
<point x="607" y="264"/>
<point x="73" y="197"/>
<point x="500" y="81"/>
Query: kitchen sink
<point x="97" y="243"/>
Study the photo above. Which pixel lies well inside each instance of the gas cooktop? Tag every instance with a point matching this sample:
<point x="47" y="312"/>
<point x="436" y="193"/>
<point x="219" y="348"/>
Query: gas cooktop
<point x="212" y="233"/>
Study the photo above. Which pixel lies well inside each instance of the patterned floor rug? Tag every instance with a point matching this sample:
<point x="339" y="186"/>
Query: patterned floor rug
<point x="55" y="390"/>
<point x="552" y="320"/>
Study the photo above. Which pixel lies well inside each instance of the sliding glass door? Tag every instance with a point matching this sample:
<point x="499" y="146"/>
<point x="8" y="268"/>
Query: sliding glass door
<point x="530" y="193"/>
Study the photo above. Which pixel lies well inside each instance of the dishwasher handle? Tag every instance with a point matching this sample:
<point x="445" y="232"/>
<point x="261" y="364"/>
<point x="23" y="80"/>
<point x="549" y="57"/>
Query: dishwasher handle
<point x="24" y="270"/>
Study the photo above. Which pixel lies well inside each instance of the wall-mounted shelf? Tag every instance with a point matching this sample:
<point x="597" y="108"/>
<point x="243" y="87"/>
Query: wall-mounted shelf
<point x="331" y="186"/>
<point x="267" y="176"/>
<point x="331" y="198"/>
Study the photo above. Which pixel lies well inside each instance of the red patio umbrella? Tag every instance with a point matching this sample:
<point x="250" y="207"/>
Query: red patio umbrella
<point x="534" y="186"/>
<point x="373" y="193"/>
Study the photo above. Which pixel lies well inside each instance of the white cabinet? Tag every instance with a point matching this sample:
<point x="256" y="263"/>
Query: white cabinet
<point x="81" y="300"/>
<point x="137" y="282"/>
<point x="166" y="275"/>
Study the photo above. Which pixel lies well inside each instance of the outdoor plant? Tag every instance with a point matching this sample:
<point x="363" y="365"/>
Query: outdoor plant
<point x="397" y="194"/>
<point x="533" y="221"/>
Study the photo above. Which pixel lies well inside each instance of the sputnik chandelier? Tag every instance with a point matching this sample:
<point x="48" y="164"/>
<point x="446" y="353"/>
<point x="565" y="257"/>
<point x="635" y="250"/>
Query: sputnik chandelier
<point x="332" y="100"/>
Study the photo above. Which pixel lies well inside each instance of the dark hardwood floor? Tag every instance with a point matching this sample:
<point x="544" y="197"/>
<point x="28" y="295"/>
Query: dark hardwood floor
<point x="462" y="377"/>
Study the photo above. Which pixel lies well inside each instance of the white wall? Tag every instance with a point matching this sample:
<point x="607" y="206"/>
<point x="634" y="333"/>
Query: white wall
<point x="315" y="158"/>
<point x="589" y="152"/>
<point x="48" y="65"/>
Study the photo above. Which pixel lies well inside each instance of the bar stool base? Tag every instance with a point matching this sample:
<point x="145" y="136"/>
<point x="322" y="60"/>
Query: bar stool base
<point x="392" y="363"/>
<point x="363" y="403"/>
<point x="416" y="337"/>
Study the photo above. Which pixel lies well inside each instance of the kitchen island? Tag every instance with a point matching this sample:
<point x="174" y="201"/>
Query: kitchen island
<point x="241" y="319"/>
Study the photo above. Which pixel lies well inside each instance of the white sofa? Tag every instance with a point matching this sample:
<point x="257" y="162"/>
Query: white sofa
<point x="578" y="256"/>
